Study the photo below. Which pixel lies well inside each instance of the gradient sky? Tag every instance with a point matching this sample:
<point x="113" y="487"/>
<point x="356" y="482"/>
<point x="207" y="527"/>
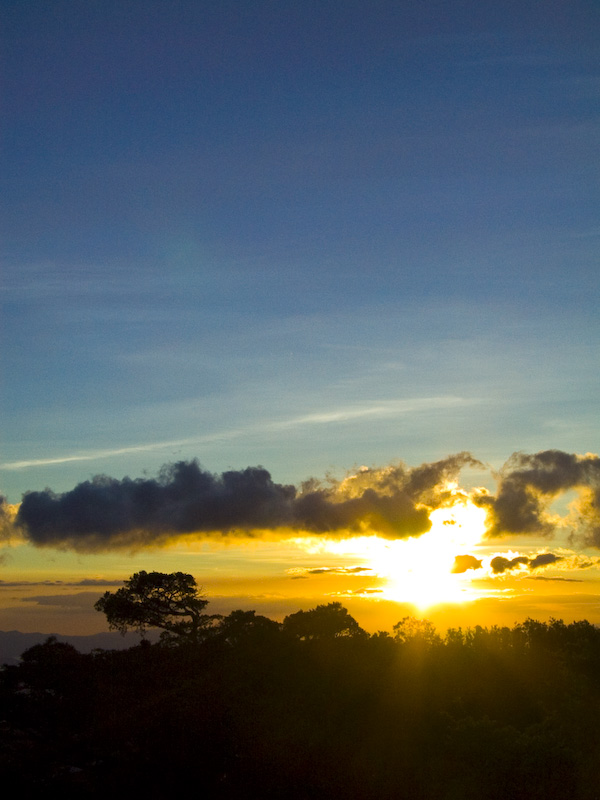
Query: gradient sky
<point x="307" y="235"/>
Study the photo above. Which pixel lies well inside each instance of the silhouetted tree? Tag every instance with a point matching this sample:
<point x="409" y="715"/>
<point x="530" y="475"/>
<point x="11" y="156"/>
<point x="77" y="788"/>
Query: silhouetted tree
<point x="245" y="626"/>
<point x="413" y="630"/>
<point x="170" y="601"/>
<point x="323" y="622"/>
<point x="325" y="711"/>
<point x="51" y="667"/>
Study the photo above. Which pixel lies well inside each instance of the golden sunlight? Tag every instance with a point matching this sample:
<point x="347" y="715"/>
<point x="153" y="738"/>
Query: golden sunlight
<point x="419" y="570"/>
<point x="424" y="570"/>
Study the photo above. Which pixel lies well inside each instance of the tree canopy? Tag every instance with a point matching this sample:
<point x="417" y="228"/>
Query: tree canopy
<point x="416" y="631"/>
<point x="323" y="622"/>
<point x="170" y="601"/>
<point x="312" y="708"/>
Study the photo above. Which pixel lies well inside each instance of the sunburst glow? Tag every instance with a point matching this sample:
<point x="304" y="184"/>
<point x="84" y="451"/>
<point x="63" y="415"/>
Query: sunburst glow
<point x="419" y="570"/>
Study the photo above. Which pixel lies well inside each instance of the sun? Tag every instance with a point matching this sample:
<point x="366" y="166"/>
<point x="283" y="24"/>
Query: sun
<point x="419" y="570"/>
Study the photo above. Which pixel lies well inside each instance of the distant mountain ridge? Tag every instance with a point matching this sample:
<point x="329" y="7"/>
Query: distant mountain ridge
<point x="14" y="643"/>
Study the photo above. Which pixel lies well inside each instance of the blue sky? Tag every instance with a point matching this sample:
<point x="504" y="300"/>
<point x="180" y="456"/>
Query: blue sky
<point x="298" y="234"/>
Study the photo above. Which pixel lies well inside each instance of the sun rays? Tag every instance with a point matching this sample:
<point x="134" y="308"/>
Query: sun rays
<point x="420" y="570"/>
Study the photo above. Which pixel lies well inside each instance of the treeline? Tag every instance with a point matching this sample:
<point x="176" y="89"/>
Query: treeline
<point x="312" y="708"/>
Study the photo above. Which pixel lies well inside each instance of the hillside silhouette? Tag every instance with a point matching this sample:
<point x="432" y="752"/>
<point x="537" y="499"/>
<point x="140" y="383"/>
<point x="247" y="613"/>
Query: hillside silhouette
<point x="313" y="707"/>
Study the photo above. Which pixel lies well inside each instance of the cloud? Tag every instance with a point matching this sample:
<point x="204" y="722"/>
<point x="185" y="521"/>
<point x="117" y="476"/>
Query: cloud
<point x="107" y="513"/>
<point x="527" y="484"/>
<point x="77" y="600"/>
<point x="464" y="563"/>
<point x="500" y="564"/>
<point x="543" y="560"/>
<point x="301" y="572"/>
<point x="84" y="582"/>
<point x="394" y="502"/>
<point x="8" y="513"/>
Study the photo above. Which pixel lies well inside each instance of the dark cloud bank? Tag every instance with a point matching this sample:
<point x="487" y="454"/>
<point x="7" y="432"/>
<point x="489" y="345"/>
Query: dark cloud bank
<point x="184" y="498"/>
<point x="395" y="502"/>
<point x="527" y="484"/>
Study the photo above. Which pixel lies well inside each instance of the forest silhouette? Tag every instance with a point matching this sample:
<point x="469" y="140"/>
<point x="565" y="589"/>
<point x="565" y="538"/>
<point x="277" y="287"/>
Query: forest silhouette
<point x="313" y="707"/>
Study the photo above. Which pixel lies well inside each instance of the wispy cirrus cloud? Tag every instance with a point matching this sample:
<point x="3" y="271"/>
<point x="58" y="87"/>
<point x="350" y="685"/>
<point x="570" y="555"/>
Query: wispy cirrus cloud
<point x="378" y="410"/>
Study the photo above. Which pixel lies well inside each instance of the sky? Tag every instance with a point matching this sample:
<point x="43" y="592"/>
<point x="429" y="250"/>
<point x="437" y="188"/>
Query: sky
<point x="336" y="240"/>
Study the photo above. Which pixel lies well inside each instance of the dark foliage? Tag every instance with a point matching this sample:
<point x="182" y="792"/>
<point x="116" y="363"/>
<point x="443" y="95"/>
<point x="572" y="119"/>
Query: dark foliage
<point x="323" y="622"/>
<point x="169" y="601"/>
<point x="256" y="709"/>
